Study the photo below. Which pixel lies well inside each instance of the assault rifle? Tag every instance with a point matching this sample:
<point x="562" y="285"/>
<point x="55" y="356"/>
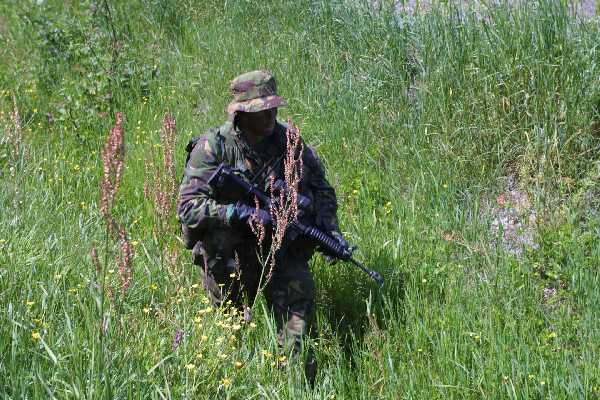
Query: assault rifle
<point x="224" y="177"/>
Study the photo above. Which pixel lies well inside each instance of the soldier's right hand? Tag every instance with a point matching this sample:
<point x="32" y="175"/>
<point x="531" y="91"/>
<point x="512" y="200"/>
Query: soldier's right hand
<point x="243" y="213"/>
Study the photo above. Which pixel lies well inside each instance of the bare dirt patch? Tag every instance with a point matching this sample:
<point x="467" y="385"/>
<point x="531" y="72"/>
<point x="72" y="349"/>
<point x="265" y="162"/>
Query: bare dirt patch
<point x="514" y="220"/>
<point x="582" y="9"/>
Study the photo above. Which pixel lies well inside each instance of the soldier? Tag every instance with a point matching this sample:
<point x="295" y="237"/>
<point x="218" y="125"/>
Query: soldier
<point x="217" y="225"/>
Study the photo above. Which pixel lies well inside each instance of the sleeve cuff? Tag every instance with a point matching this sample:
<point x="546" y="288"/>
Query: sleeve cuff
<point x="229" y="214"/>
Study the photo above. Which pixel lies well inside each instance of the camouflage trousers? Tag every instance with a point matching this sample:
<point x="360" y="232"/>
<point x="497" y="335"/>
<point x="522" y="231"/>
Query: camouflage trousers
<point x="231" y="270"/>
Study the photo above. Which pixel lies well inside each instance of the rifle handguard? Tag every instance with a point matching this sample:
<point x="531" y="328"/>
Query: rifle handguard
<point x="327" y="244"/>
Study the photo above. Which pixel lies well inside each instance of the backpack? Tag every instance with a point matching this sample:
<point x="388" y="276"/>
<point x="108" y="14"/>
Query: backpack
<point x="191" y="236"/>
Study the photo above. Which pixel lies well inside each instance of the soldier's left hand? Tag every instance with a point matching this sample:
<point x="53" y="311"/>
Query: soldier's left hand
<point x="340" y="239"/>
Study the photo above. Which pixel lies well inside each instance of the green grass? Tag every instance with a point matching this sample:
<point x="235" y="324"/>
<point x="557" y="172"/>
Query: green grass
<point x="428" y="113"/>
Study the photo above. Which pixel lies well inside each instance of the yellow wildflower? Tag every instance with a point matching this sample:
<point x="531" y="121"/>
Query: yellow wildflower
<point x="190" y="367"/>
<point x="236" y="327"/>
<point x="252" y="325"/>
<point x="226" y="382"/>
<point x="35" y="335"/>
<point x="154" y="286"/>
<point x="205" y="311"/>
<point x="29" y="303"/>
<point x="267" y="353"/>
<point x="237" y="364"/>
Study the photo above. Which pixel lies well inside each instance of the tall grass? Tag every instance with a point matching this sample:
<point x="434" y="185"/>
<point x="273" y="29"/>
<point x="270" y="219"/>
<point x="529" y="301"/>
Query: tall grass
<point x="419" y="118"/>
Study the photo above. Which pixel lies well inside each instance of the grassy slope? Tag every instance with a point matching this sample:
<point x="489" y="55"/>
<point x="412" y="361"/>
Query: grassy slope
<point x="428" y="113"/>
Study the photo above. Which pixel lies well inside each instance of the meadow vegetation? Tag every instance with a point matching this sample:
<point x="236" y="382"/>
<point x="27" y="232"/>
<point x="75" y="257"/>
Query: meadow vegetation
<point x="422" y="121"/>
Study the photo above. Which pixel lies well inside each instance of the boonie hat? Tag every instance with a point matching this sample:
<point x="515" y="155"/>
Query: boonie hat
<point x="254" y="91"/>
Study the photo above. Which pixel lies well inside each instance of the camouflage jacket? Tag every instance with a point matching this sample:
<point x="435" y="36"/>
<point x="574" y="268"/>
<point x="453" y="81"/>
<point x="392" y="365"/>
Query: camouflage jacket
<point x="201" y="209"/>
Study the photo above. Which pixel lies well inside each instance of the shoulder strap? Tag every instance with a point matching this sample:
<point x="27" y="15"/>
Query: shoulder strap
<point x="194" y="141"/>
<point x="190" y="147"/>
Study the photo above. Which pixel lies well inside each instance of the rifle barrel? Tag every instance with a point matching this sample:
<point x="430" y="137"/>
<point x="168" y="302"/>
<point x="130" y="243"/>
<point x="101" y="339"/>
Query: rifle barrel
<point x="376" y="276"/>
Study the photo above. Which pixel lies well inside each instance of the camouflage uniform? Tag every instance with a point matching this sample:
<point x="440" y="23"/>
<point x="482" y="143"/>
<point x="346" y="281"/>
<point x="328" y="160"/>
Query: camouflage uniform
<point x="203" y="213"/>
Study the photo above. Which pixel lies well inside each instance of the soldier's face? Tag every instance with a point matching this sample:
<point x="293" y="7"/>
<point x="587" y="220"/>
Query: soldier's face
<point x="259" y="124"/>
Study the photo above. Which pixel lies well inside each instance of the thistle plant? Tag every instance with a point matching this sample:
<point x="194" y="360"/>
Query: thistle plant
<point x="13" y="137"/>
<point x="258" y="229"/>
<point x="124" y="261"/>
<point x="113" y="155"/>
<point x="284" y="207"/>
<point x="161" y="185"/>
<point x="160" y="188"/>
<point x="112" y="163"/>
<point x="284" y="199"/>
<point x="17" y="131"/>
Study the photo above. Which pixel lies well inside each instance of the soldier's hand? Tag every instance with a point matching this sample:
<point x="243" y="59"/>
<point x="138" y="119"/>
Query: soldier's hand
<point x="243" y="213"/>
<point x="342" y="242"/>
<point x="340" y="239"/>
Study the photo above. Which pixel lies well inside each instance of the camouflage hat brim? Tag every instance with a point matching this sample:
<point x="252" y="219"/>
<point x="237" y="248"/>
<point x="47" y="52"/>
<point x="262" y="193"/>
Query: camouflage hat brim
<point x="256" y="105"/>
